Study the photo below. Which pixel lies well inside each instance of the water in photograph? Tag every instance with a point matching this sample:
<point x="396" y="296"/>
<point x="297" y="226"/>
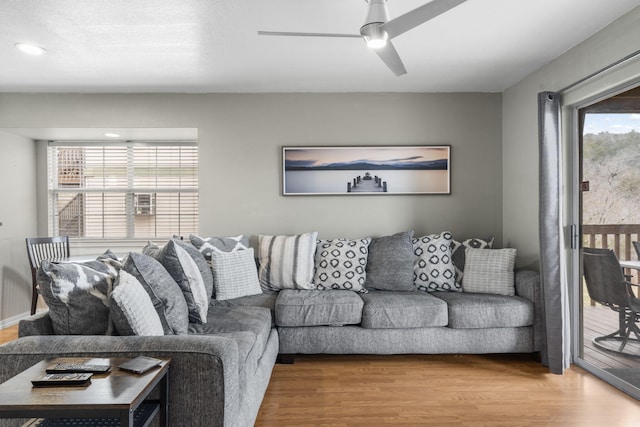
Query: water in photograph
<point x="335" y="181"/>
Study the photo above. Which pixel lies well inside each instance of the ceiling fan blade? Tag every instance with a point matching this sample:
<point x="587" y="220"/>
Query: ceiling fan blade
<point x="420" y="15"/>
<point x="294" y="34"/>
<point x="390" y="56"/>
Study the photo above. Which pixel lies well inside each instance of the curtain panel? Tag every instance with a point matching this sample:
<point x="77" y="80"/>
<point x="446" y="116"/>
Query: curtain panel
<point x="555" y="312"/>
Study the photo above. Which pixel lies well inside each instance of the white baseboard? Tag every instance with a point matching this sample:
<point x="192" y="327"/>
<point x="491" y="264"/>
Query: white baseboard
<point x="5" y="323"/>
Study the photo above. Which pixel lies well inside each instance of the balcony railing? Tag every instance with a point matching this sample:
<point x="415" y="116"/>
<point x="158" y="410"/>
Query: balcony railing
<point x="618" y="237"/>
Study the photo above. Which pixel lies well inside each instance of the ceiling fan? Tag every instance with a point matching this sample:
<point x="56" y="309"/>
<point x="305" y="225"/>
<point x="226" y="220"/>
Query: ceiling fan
<point x="378" y="30"/>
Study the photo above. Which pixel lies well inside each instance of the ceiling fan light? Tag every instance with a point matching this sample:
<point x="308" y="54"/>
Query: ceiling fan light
<point x="374" y="36"/>
<point x="30" y="49"/>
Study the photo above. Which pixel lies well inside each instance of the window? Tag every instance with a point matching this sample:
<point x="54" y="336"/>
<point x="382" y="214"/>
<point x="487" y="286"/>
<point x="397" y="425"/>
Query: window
<point x="123" y="190"/>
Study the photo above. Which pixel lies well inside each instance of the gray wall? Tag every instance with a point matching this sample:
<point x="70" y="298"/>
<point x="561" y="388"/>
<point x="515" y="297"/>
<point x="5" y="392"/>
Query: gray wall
<point x="18" y="218"/>
<point x="520" y="125"/>
<point x="241" y="136"/>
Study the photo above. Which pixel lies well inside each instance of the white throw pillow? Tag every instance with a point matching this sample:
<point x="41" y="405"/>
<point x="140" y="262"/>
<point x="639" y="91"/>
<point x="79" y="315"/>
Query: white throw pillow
<point x="286" y="262"/>
<point x="234" y="274"/>
<point x="341" y="264"/>
<point x="433" y="267"/>
<point x="132" y="311"/>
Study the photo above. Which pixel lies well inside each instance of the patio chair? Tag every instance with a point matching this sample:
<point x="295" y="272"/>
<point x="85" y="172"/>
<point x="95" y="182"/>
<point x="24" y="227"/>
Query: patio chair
<point x="39" y="249"/>
<point x="607" y="285"/>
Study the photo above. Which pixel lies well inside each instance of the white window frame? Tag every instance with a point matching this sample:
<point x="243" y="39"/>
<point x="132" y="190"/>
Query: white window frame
<point x="185" y="218"/>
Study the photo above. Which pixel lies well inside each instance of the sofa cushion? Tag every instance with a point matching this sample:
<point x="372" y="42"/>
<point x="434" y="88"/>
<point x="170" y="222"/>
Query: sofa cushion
<point x="249" y="326"/>
<point x="266" y="299"/>
<point x="178" y="259"/>
<point x="77" y="294"/>
<point x="390" y="263"/>
<point x="490" y="272"/>
<point x="468" y="310"/>
<point x="433" y="268"/>
<point x="131" y="309"/>
<point x="387" y="310"/>
<point x="314" y="308"/>
<point x="286" y="262"/>
<point x="234" y="274"/>
<point x="458" y="253"/>
<point x="341" y="264"/>
<point x="165" y="293"/>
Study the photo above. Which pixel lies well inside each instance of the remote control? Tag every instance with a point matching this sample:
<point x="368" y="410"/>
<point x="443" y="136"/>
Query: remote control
<point x="61" y="368"/>
<point x="69" y="379"/>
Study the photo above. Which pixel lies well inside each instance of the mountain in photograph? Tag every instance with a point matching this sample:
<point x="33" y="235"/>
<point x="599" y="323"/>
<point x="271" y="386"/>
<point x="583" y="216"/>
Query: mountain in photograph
<point x="399" y="164"/>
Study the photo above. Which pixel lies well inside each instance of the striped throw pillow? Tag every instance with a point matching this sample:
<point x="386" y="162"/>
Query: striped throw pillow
<point x="286" y="262"/>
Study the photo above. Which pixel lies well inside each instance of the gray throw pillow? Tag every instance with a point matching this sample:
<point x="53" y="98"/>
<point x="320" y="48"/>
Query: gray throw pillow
<point x="195" y="279"/>
<point x="77" y="294"/>
<point x="390" y="263"/>
<point x="165" y="293"/>
<point x="458" y="253"/>
<point x="132" y="311"/>
<point x="490" y="272"/>
<point x="225" y="244"/>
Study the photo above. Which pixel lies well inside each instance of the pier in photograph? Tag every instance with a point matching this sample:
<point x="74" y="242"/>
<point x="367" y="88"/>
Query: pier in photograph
<point x="367" y="184"/>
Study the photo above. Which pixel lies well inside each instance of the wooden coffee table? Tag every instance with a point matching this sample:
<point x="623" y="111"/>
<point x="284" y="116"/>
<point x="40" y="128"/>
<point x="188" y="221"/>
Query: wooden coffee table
<point x="118" y="398"/>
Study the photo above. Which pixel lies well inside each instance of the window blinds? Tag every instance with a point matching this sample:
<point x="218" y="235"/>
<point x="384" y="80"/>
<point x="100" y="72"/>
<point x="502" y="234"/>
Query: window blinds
<point x="123" y="190"/>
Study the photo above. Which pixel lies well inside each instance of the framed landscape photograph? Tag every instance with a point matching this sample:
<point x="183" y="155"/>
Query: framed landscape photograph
<point x="424" y="169"/>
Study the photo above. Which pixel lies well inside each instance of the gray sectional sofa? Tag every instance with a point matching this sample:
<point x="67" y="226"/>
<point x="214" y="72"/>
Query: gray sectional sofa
<point x="221" y="368"/>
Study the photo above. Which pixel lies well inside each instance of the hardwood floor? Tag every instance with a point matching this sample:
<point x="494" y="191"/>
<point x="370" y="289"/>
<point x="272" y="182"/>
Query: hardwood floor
<point x="435" y="390"/>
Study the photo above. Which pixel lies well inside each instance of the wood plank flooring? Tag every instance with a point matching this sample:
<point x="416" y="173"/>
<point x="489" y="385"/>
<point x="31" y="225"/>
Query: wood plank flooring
<point x="435" y="390"/>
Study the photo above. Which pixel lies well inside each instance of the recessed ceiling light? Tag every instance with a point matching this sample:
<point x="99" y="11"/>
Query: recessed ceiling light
<point x="30" y="49"/>
<point x="111" y="135"/>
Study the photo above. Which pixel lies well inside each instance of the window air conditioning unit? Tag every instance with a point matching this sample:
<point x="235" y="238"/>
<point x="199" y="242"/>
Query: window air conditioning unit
<point x="145" y="203"/>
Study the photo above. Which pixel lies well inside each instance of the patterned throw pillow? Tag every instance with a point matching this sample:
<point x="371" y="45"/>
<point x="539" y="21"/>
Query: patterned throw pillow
<point x="178" y="259"/>
<point x="490" y="272"/>
<point x="235" y="274"/>
<point x="286" y="262"/>
<point x="77" y="294"/>
<point x="458" y="253"/>
<point x="225" y="244"/>
<point x="433" y="268"/>
<point x="341" y="264"/>
<point x="390" y="263"/>
<point x="131" y="308"/>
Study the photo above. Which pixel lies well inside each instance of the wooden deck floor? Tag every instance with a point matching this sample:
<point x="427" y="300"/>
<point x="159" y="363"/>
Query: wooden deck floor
<point x="598" y="321"/>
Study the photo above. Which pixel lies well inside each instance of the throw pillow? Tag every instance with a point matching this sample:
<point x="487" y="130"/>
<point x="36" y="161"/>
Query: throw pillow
<point x="179" y="262"/>
<point x="225" y="244"/>
<point x="235" y="274"/>
<point x="341" y="264"/>
<point x="458" y="253"/>
<point x="77" y="294"/>
<point x="433" y="268"/>
<point x="390" y="263"/>
<point x="490" y="272"/>
<point x="286" y="262"/>
<point x="132" y="311"/>
<point x="165" y="293"/>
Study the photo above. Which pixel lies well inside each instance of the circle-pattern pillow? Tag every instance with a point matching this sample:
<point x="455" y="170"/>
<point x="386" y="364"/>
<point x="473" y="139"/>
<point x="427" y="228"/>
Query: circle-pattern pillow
<point x="433" y="267"/>
<point x="341" y="264"/>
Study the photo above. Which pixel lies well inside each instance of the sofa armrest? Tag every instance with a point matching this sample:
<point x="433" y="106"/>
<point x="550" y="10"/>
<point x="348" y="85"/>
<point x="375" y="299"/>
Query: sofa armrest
<point x="527" y="283"/>
<point x="38" y="324"/>
<point x="203" y="376"/>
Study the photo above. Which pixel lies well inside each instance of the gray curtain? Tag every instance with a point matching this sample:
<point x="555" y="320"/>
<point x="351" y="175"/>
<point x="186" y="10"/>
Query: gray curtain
<point x="550" y="237"/>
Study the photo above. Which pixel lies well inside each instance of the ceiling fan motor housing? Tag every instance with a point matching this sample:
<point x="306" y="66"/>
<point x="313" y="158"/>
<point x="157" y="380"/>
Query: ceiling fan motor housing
<point x="377" y="15"/>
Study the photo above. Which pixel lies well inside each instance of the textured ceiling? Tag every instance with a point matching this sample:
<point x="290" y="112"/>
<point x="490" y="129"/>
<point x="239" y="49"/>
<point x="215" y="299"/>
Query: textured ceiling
<point x="212" y="46"/>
